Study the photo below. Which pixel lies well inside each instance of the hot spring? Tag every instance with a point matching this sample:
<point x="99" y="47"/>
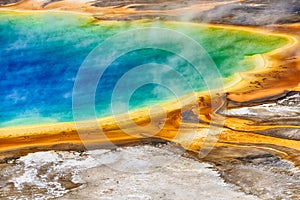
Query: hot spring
<point x="41" y="54"/>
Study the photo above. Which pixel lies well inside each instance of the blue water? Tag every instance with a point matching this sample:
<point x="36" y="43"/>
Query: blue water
<point x="41" y="54"/>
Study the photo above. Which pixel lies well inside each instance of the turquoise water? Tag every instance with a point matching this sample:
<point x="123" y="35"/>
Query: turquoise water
<point x="41" y="54"/>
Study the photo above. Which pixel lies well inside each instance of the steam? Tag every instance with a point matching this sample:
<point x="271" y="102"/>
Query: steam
<point x="249" y="12"/>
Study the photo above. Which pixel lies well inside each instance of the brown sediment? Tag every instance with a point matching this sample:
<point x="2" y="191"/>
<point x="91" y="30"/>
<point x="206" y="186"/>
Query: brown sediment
<point x="11" y="3"/>
<point x="279" y="75"/>
<point x="106" y="12"/>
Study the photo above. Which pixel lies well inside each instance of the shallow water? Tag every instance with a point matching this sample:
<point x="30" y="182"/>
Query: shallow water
<point x="42" y="52"/>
